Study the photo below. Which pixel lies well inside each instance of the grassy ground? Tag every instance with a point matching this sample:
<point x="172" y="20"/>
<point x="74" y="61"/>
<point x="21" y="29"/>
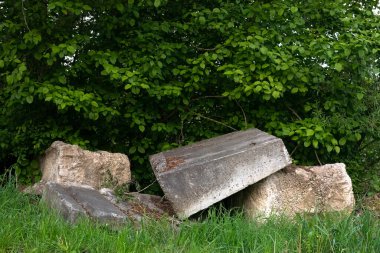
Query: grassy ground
<point x="26" y="225"/>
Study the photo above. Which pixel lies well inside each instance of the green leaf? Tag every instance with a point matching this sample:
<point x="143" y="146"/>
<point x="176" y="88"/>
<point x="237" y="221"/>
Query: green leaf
<point x="9" y="79"/>
<point x="142" y="128"/>
<point x="307" y="144"/>
<point x="62" y="79"/>
<point x="294" y="90"/>
<point x="293" y="9"/>
<point x="141" y="150"/>
<point x="329" y="148"/>
<point x="157" y="3"/>
<point x="358" y="136"/>
<point x="342" y="141"/>
<point x="360" y="96"/>
<point x="132" y="150"/>
<point x="29" y="99"/>
<point x="71" y="49"/>
<point x="1" y="64"/>
<point x="276" y="94"/>
<point x="338" y="67"/>
<point x="315" y="143"/>
<point x="309" y="132"/>
<point x="120" y="7"/>
<point x="337" y="149"/>
<point x="264" y="50"/>
<point x="202" y="20"/>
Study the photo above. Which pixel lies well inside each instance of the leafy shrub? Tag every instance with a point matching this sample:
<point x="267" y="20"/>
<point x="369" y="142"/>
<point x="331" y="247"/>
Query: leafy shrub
<point x="140" y="77"/>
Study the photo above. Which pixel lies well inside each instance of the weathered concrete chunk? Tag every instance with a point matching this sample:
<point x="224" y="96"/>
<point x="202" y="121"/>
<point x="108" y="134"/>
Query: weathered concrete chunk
<point x="298" y="189"/>
<point x="70" y="165"/>
<point x="72" y="202"/>
<point x="96" y="205"/>
<point x="196" y="176"/>
<point x="59" y="199"/>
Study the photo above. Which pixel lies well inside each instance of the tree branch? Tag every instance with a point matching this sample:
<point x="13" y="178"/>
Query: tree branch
<point x="23" y="13"/>
<point x="316" y="155"/>
<point x="245" y="117"/>
<point x="294" y="112"/>
<point x="215" y="121"/>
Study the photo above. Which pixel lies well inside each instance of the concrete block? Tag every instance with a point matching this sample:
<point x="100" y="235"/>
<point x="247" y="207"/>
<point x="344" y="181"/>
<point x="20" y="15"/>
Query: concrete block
<point x="299" y="189"/>
<point x="59" y="199"/>
<point x="70" y="165"/>
<point x="72" y="202"/>
<point x="96" y="205"/>
<point x="196" y="176"/>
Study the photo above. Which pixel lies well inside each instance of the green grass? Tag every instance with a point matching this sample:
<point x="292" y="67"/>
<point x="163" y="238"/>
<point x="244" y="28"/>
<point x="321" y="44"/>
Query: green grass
<point x="26" y="225"/>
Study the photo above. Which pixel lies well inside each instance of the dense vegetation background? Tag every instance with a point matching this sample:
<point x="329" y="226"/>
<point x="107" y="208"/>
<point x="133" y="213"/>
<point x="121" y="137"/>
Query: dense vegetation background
<point x="139" y="77"/>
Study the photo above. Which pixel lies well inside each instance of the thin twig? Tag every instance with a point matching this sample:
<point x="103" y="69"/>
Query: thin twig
<point x="23" y="13"/>
<point x="204" y="97"/>
<point x="316" y="155"/>
<point x="215" y="121"/>
<point x="294" y="150"/>
<point x="181" y="135"/>
<point x="245" y="118"/>
<point x="147" y="186"/>
<point x="206" y="49"/>
<point x="294" y="112"/>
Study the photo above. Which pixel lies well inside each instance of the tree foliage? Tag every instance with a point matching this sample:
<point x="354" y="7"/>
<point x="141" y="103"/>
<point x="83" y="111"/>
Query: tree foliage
<point x="139" y="77"/>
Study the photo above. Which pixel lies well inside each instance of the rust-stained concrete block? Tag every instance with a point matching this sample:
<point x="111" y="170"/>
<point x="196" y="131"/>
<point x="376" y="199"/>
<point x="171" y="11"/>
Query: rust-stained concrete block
<point x="196" y="176"/>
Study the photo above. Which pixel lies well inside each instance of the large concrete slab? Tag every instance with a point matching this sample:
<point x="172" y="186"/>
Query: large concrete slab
<point x="196" y="176"/>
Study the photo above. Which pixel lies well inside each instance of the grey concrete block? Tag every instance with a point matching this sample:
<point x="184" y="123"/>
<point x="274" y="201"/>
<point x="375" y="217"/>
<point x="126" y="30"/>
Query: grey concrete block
<point x="72" y="202"/>
<point x="196" y="176"/>
<point x="59" y="199"/>
<point x="96" y="205"/>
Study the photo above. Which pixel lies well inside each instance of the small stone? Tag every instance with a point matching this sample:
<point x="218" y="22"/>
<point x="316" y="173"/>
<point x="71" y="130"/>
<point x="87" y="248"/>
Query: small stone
<point x="297" y="189"/>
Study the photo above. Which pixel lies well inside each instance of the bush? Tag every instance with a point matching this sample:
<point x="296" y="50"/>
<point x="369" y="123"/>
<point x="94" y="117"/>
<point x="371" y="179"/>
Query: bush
<point x="140" y="77"/>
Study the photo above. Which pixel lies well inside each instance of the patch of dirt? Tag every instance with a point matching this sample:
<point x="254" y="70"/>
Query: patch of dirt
<point x="372" y="203"/>
<point x="150" y="206"/>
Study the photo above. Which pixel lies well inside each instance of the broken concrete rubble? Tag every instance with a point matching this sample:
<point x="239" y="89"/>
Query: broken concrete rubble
<point x="196" y="176"/>
<point x="70" y="165"/>
<point x="245" y="165"/>
<point x="297" y="189"/>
